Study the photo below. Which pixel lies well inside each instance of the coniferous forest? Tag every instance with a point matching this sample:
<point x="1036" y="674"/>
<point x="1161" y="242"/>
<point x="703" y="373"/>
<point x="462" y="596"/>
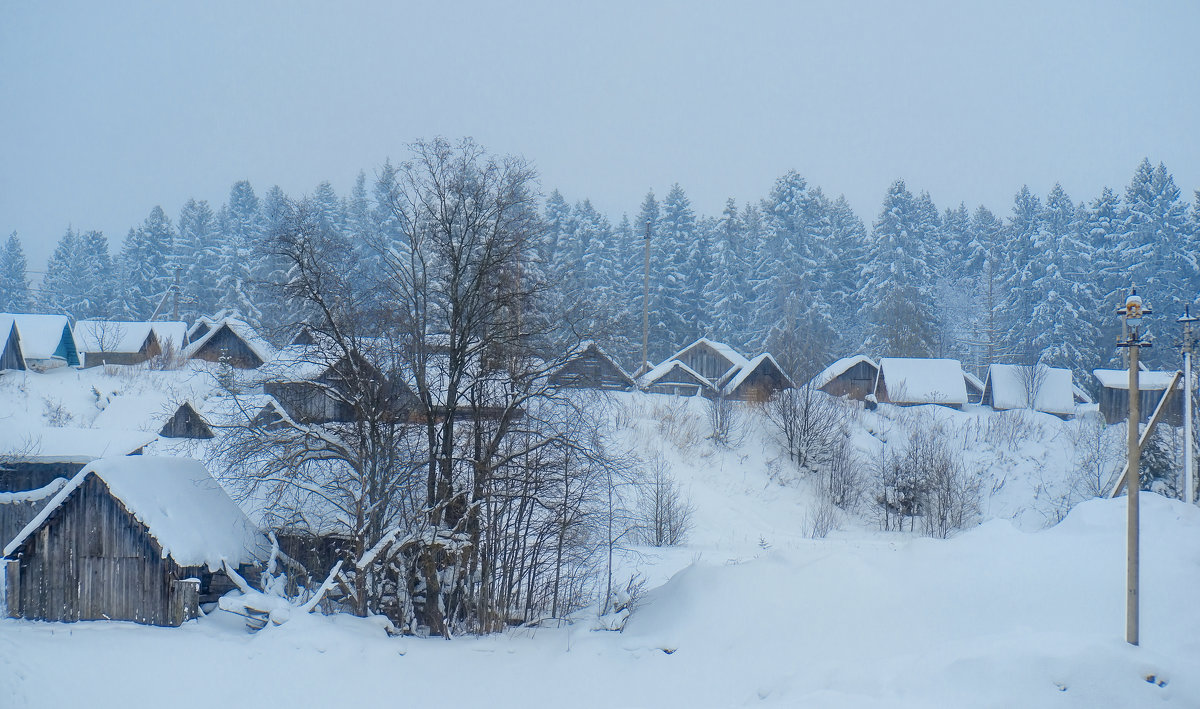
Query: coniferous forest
<point x="797" y="272"/>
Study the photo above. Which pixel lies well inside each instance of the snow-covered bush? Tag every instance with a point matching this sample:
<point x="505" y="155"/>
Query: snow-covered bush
<point x="926" y="479"/>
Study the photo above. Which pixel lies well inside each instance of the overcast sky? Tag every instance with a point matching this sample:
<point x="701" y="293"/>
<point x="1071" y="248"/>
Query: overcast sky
<point x="107" y="109"/>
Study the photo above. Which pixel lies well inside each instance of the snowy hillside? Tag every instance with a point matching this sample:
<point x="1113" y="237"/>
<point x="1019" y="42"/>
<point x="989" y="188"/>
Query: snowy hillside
<point x="751" y="610"/>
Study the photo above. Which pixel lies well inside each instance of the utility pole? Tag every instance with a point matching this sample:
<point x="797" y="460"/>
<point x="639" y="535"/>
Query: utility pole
<point x="1131" y="314"/>
<point x="1189" y="483"/>
<point x="646" y="303"/>
<point x="175" y="308"/>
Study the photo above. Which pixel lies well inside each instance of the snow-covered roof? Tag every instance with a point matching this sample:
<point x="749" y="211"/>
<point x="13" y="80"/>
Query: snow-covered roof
<point x="1081" y="395"/>
<point x="147" y="411"/>
<point x="973" y="381"/>
<point x="838" y="368"/>
<point x="111" y="335"/>
<point x="68" y="445"/>
<point x="734" y="357"/>
<point x="589" y="344"/>
<point x="171" y="331"/>
<point x="923" y="381"/>
<point x="41" y="335"/>
<point x="264" y="350"/>
<point x="662" y="370"/>
<point x="750" y="367"/>
<point x="184" y="508"/>
<point x="1010" y="383"/>
<point x="1147" y="380"/>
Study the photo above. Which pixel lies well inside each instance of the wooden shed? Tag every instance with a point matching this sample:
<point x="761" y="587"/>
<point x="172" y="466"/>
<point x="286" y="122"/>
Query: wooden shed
<point x="675" y="377"/>
<point x="47" y="341"/>
<point x="141" y="539"/>
<point x="232" y="341"/>
<point x="589" y="367"/>
<point x="186" y="422"/>
<point x="113" y="342"/>
<point x="1019" y="386"/>
<point x="1114" y="395"/>
<point x="36" y="462"/>
<point x="852" y="377"/>
<point x="911" y="381"/>
<point x="756" y="381"/>
<point x="12" y="357"/>
<point x="711" y="360"/>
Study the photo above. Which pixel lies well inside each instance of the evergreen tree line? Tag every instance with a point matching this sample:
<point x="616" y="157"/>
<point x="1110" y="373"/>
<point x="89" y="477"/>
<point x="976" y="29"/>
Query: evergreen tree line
<point x="796" y="273"/>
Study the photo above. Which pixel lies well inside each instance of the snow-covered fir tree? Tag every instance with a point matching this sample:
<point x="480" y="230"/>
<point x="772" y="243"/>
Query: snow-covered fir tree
<point x="15" y="294"/>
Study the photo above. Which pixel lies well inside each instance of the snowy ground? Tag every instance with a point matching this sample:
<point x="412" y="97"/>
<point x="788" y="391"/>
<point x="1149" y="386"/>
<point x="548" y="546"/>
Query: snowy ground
<point x="750" y="612"/>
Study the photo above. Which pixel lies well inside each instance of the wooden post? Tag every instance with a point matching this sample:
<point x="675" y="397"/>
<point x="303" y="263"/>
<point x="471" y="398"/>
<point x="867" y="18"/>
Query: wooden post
<point x="1131" y="549"/>
<point x="185" y="601"/>
<point x="12" y="590"/>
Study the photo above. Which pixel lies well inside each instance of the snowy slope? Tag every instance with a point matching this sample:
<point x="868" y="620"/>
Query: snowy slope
<point x="751" y="611"/>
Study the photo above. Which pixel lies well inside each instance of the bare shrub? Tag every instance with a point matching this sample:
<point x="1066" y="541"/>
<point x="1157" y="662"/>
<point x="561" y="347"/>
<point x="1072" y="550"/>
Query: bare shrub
<point x="726" y="420"/>
<point x="810" y="424"/>
<point x="1097" y="456"/>
<point x="664" y="510"/>
<point x="57" y="415"/>
<point x="170" y="358"/>
<point x="927" y="479"/>
<point x="844" y="476"/>
<point x="822" y="517"/>
<point x="1032" y="379"/>
<point x="1009" y="429"/>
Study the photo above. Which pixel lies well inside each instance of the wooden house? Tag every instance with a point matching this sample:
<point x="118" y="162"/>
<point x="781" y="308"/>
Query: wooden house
<point x="12" y="357"/>
<point x="852" y="377"/>
<point x="712" y="360"/>
<point x="141" y="539"/>
<point x="975" y="387"/>
<point x="910" y="381"/>
<point x="231" y="341"/>
<point x="315" y="383"/>
<point x="756" y="381"/>
<point x="47" y="341"/>
<point x="1012" y="386"/>
<point x="591" y="368"/>
<point x="675" y="377"/>
<point x="186" y="422"/>
<point x="1114" y="395"/>
<point x="35" y="462"/>
<point x="112" y="342"/>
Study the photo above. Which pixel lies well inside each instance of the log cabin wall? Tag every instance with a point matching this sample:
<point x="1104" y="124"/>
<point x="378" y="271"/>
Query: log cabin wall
<point x="225" y="345"/>
<point x="92" y="560"/>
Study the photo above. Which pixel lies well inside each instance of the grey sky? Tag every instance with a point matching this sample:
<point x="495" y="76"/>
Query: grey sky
<point x="107" y="109"/>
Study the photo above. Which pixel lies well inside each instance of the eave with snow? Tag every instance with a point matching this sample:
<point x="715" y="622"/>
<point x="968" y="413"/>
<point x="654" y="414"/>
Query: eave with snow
<point x="910" y="381"/>
<point x="115" y="342"/>
<point x="676" y="378"/>
<point x="590" y="367"/>
<point x="853" y="377"/>
<point x="131" y="538"/>
<point x="47" y="341"/>
<point x="231" y="341"/>
<point x="1011" y="386"/>
<point x="12" y="356"/>
<point x="757" y="380"/>
<point x="1113" y="399"/>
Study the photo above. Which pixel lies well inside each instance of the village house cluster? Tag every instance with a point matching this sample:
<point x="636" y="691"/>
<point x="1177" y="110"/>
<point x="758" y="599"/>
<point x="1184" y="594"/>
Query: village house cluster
<point x="113" y="520"/>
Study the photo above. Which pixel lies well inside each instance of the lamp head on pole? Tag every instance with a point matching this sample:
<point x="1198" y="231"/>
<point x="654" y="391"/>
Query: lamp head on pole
<point x="1134" y="308"/>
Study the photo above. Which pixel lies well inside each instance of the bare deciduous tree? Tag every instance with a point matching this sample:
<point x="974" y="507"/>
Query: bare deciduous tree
<point x="664" y="509"/>
<point x="810" y="423"/>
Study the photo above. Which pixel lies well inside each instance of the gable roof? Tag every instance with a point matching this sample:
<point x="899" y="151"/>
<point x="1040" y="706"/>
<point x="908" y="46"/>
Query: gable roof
<point x="1008" y="385"/>
<point x="735" y="358"/>
<point x="173" y="331"/>
<point x="762" y="361"/>
<point x="1147" y="379"/>
<point x="839" y="368"/>
<point x="112" y="336"/>
<point x="68" y="445"/>
<point x="262" y="349"/>
<point x="183" y="507"/>
<point x="11" y="351"/>
<point x="589" y="345"/>
<point x="662" y="370"/>
<point x="911" y="380"/>
<point x="44" y="337"/>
